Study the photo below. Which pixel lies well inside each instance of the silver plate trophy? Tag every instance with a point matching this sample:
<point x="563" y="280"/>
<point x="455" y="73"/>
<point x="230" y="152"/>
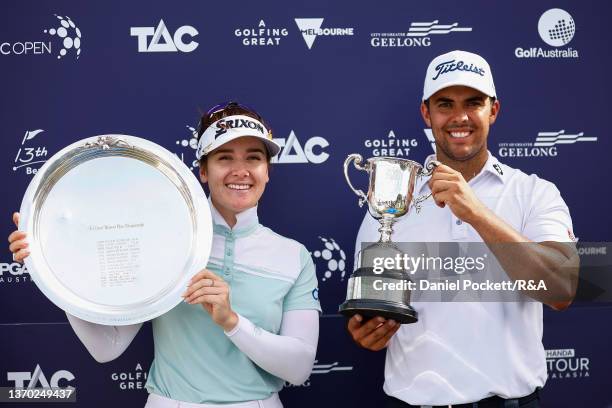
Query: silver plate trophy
<point x="117" y="225"/>
<point x="390" y="196"/>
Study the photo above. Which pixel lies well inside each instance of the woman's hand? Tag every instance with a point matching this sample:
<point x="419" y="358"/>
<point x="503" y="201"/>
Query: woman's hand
<point x="213" y="294"/>
<point x="17" y="242"/>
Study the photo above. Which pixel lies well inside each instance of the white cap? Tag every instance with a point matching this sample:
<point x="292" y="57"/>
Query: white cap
<point x="458" y="68"/>
<point x="232" y="127"/>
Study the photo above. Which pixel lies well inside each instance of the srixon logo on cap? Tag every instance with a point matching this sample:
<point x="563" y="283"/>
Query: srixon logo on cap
<point x="450" y="66"/>
<point x="224" y="125"/>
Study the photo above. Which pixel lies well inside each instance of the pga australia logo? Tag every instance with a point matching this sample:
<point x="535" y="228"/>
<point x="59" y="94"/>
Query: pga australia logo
<point x="311" y="29"/>
<point x="262" y="35"/>
<point x="30" y="156"/>
<point x="131" y="380"/>
<point x="418" y="35"/>
<point x="564" y="363"/>
<point x="63" y="39"/>
<point x="545" y="145"/>
<point x="556" y="28"/>
<point x="390" y="146"/>
<point x="14" y="272"/>
<point x="163" y="41"/>
<point x="37" y="379"/>
<point x="292" y="150"/>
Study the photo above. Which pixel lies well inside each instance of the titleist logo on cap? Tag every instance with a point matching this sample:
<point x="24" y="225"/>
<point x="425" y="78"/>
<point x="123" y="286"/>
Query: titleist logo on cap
<point x="224" y="125"/>
<point x="450" y="66"/>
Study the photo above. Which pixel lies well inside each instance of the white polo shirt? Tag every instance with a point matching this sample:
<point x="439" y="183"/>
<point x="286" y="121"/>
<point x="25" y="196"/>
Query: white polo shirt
<point x="462" y="352"/>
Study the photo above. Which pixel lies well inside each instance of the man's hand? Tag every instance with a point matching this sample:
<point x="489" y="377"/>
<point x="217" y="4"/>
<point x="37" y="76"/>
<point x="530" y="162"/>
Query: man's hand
<point x="374" y="334"/>
<point x="212" y="293"/>
<point x="448" y="187"/>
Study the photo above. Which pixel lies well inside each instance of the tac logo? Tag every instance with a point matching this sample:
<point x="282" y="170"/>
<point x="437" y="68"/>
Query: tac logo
<point x="64" y="36"/>
<point x="30" y="156"/>
<point x="262" y="35"/>
<point x="37" y="379"/>
<point x="293" y="152"/>
<point x="163" y="41"/>
<point x="131" y="380"/>
<point x="331" y="259"/>
<point x="556" y="28"/>
<point x="311" y="29"/>
<point x="14" y="273"/>
<point x="390" y="146"/>
<point x="418" y="35"/>
<point x="565" y="364"/>
<point x="545" y="145"/>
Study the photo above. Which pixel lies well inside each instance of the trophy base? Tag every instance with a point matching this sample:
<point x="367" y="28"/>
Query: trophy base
<point x="369" y="308"/>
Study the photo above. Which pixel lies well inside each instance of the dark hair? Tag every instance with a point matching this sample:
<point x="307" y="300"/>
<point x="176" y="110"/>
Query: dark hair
<point x="491" y="98"/>
<point x="232" y="108"/>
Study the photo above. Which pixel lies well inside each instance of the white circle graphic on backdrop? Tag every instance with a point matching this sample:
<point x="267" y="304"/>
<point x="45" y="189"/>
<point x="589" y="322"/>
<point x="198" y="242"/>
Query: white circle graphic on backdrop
<point x="556" y="27"/>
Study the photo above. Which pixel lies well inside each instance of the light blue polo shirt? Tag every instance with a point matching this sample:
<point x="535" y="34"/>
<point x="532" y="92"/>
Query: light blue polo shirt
<point x="268" y="275"/>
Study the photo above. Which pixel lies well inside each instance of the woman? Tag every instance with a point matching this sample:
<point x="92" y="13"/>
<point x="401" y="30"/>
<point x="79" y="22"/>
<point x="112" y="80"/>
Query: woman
<point x="249" y="321"/>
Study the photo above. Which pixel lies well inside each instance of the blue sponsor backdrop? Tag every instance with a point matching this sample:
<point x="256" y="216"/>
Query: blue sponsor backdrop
<point x="325" y="96"/>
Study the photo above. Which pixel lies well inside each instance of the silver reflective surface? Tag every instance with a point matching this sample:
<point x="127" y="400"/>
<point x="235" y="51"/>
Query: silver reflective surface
<point x="117" y="226"/>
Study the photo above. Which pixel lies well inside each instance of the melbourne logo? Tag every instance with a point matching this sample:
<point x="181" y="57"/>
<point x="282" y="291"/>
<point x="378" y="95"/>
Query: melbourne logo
<point x="163" y="41"/>
<point x="556" y="28"/>
<point x="311" y="29"/>
<point x="262" y="35"/>
<point x="37" y="379"/>
<point x="545" y="145"/>
<point x="30" y="156"/>
<point x="418" y="35"/>
<point x="564" y="364"/>
<point x="130" y="380"/>
<point x="430" y="137"/>
<point x="390" y="146"/>
<point x="62" y="39"/>
<point x="293" y="152"/>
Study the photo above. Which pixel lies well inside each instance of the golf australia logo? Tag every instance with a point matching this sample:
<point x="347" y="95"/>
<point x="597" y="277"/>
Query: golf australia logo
<point x="163" y="41"/>
<point x="311" y="29"/>
<point x="418" y="35"/>
<point x="556" y="28"/>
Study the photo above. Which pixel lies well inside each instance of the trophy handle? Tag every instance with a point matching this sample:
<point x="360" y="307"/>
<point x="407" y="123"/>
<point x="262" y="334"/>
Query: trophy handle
<point x="357" y="163"/>
<point x="428" y="171"/>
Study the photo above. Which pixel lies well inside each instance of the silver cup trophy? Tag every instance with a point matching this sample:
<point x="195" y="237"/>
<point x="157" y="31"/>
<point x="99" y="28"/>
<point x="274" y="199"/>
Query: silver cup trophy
<point x="389" y="197"/>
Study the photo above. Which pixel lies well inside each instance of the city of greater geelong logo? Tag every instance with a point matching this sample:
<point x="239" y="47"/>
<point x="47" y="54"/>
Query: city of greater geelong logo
<point x="311" y="29"/>
<point x="37" y="379"/>
<point x="62" y="39"/>
<point x="545" y="145"/>
<point x="418" y="35"/>
<point x="556" y="28"/>
<point x="564" y="363"/>
<point x="163" y="41"/>
<point x="292" y="151"/>
<point x="390" y="146"/>
<point x="262" y="35"/>
<point x="30" y="155"/>
<point x="321" y="369"/>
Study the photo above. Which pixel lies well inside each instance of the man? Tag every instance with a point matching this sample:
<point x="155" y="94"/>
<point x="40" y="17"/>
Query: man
<point x="488" y="353"/>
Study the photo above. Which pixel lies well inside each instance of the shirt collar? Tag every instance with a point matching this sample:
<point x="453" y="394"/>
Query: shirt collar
<point x="492" y="166"/>
<point x="246" y="221"/>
